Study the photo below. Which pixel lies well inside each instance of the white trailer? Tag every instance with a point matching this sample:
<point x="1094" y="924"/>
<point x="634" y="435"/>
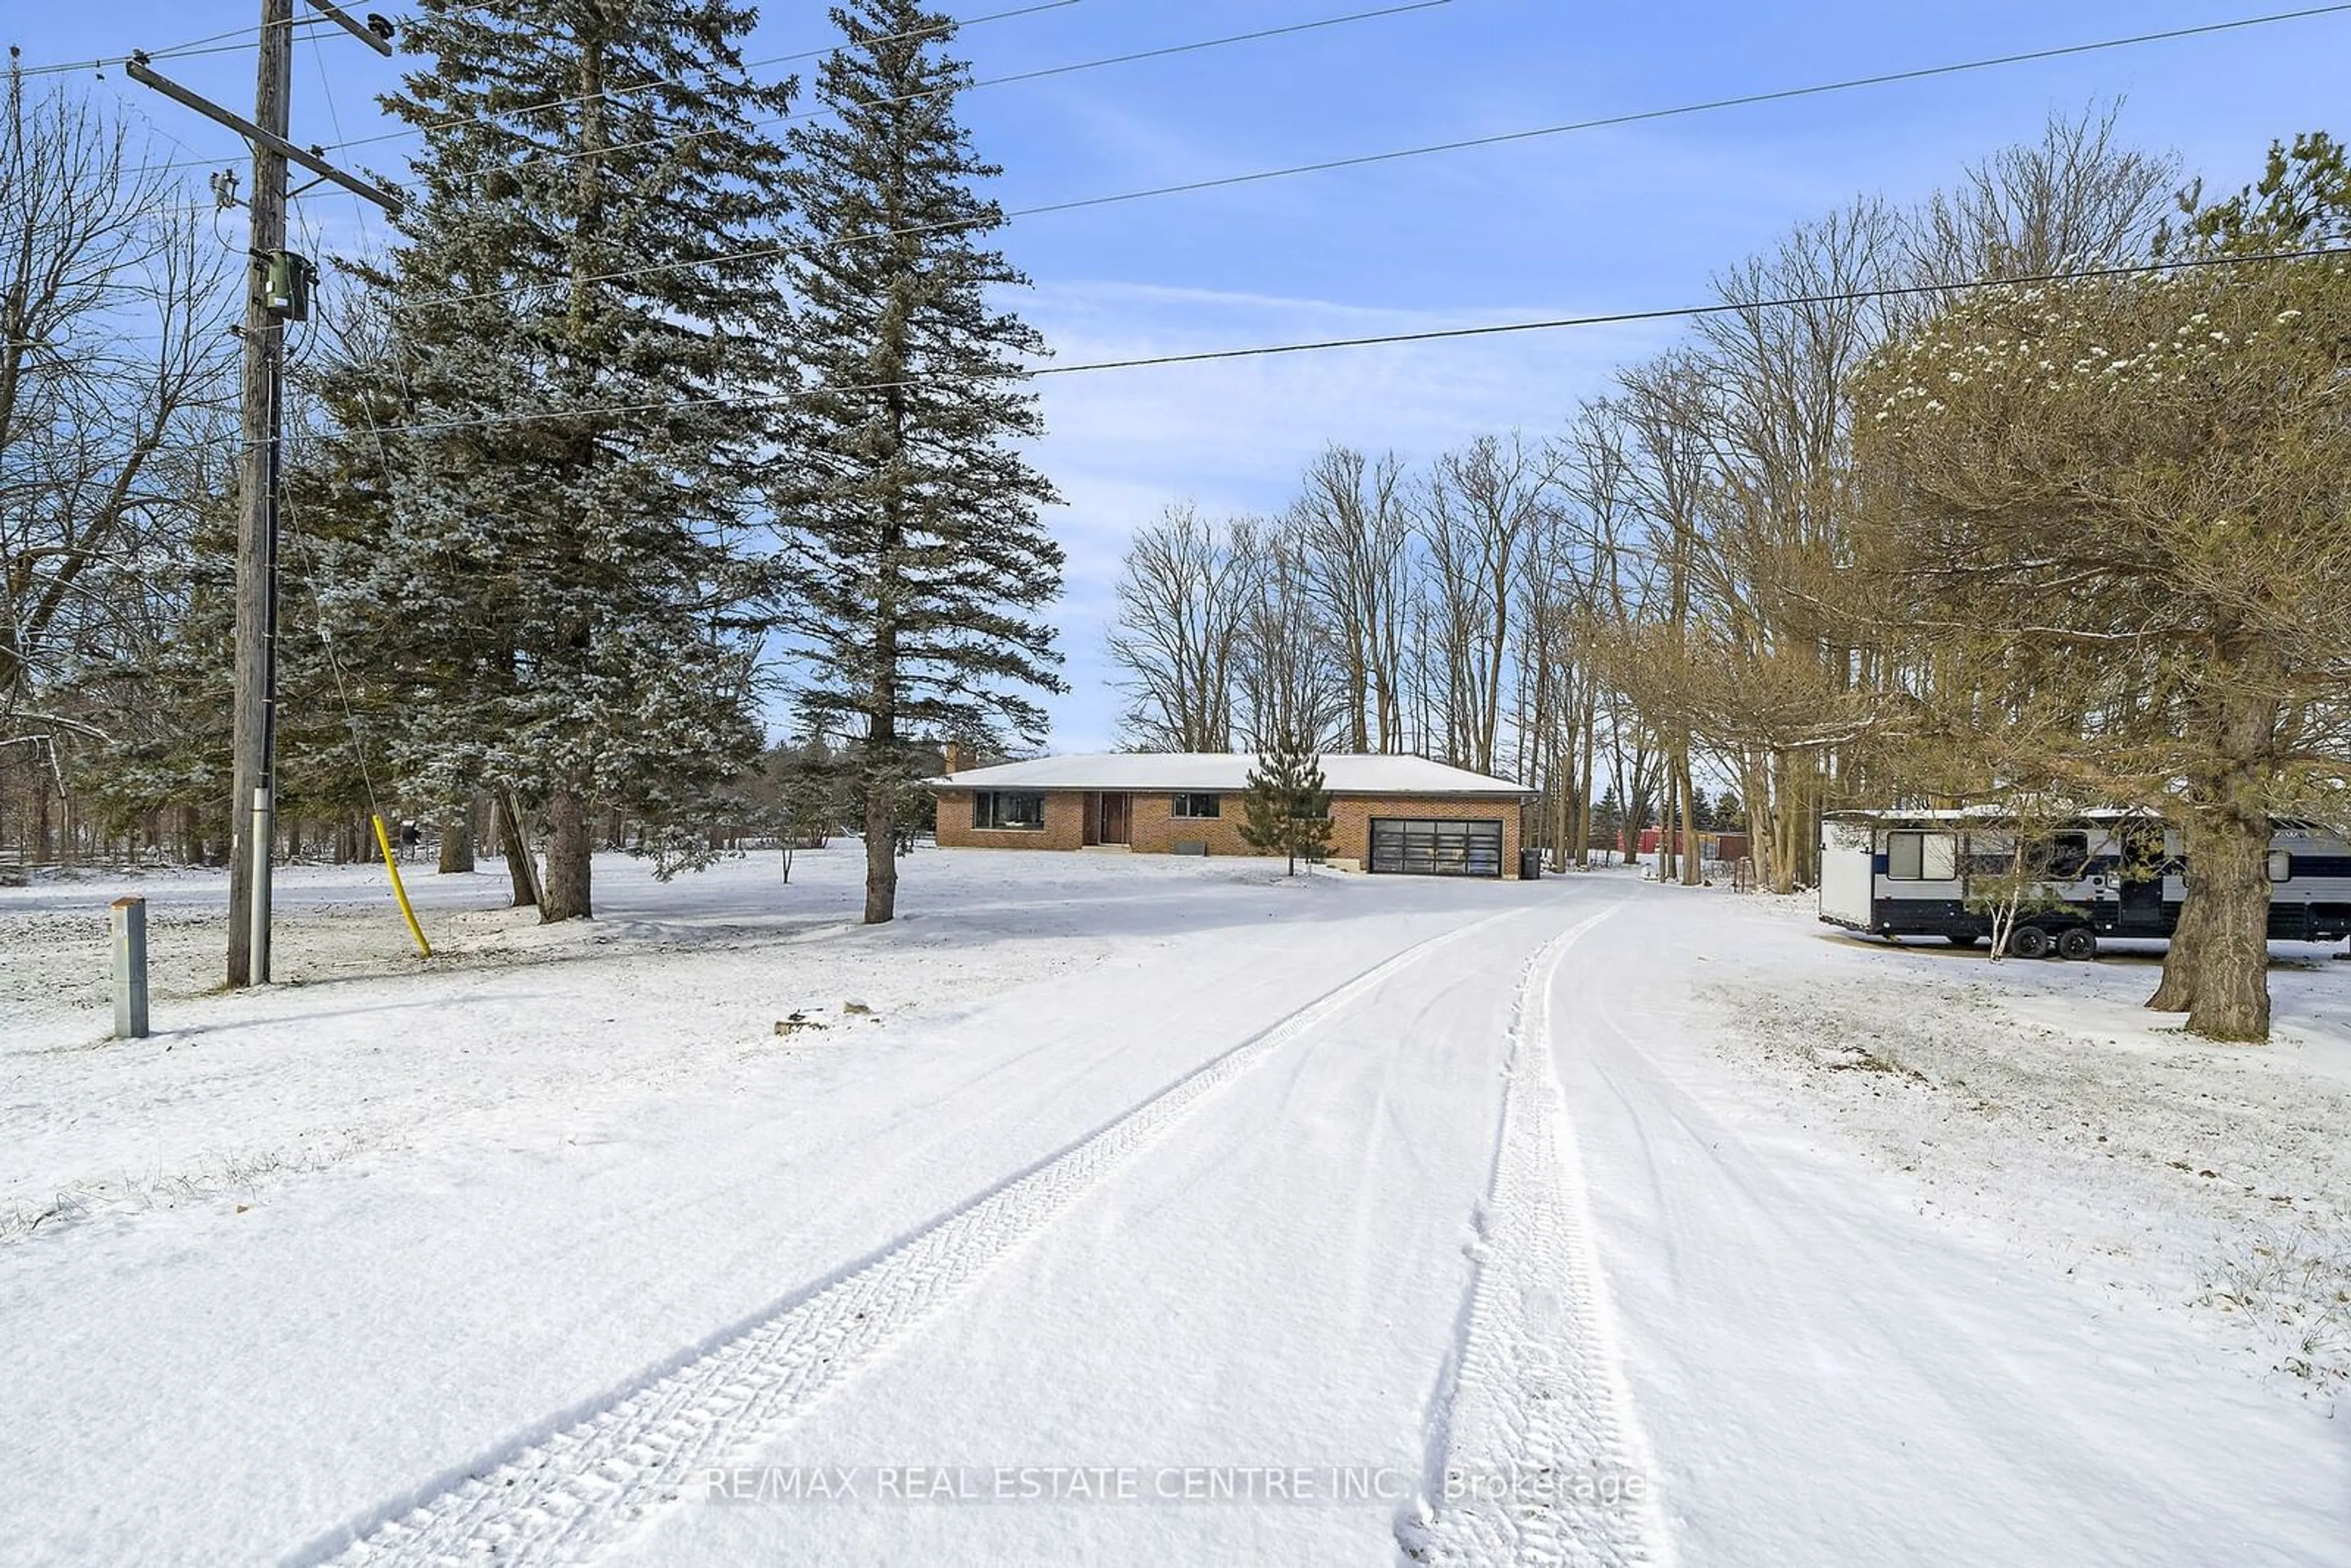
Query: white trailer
<point x="2112" y="873"/>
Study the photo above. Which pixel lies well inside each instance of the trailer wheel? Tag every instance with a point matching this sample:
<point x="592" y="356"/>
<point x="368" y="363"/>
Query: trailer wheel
<point x="2077" y="943"/>
<point x="2028" y="941"/>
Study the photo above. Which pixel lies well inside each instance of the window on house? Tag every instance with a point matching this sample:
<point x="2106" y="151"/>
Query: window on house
<point x="1199" y="806"/>
<point x="1008" y="811"/>
<point x="1922" y="857"/>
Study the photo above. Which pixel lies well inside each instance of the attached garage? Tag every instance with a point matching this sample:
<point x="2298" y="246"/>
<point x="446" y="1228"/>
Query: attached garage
<point x="1412" y="846"/>
<point x="1398" y="815"/>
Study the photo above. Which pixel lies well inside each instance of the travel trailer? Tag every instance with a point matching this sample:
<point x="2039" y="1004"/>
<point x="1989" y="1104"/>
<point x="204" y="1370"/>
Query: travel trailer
<point x="2103" y="873"/>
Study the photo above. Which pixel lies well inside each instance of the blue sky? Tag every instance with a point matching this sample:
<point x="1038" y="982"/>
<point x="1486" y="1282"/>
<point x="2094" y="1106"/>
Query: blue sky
<point x="1620" y="219"/>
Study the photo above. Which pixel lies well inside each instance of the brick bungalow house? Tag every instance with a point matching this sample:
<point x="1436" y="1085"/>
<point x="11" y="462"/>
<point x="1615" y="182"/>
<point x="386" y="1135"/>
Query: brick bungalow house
<point x="1401" y="814"/>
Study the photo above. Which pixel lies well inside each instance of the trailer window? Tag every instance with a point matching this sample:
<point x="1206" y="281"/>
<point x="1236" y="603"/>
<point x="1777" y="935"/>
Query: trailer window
<point x="2280" y="865"/>
<point x="1903" y="853"/>
<point x="2060" y="857"/>
<point x="1939" y="857"/>
<point x="1922" y="857"/>
<point x="2069" y="855"/>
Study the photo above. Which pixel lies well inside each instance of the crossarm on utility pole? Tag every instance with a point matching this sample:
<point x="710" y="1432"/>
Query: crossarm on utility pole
<point x="387" y="200"/>
<point x="344" y="19"/>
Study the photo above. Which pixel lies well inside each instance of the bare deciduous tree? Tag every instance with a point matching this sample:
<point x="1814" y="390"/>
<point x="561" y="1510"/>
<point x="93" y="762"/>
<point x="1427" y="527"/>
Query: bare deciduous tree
<point x="1351" y="526"/>
<point x="2076" y="198"/>
<point x="111" y="360"/>
<point x="1289" y="684"/>
<point x="1479" y="512"/>
<point x="1183" y="596"/>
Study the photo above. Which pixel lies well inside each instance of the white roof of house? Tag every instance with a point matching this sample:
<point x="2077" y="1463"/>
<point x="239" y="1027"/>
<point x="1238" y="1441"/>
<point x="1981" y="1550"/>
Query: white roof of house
<point x="1223" y="771"/>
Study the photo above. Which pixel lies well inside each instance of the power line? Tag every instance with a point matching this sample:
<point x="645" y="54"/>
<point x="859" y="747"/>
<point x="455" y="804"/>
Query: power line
<point x="1695" y="312"/>
<point x="1163" y="52"/>
<point x="1431" y="335"/>
<point x="1431" y="149"/>
<point x="1742" y="100"/>
<point x="667" y="81"/>
<point x="949" y="27"/>
<point x="216" y="45"/>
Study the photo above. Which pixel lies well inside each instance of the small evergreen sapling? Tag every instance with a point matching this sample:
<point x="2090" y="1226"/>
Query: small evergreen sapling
<point x="1286" y="809"/>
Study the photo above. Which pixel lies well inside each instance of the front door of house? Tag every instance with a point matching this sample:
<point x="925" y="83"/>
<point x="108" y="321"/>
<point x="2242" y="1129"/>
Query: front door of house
<point x="1114" y="817"/>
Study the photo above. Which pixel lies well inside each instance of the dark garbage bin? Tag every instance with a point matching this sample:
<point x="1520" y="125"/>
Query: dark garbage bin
<point x="1530" y="865"/>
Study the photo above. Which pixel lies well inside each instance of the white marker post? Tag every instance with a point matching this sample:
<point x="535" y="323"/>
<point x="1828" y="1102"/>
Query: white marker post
<point x="129" y="920"/>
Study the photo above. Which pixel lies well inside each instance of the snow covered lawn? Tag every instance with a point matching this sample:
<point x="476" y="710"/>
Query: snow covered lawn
<point x="1150" y="1210"/>
<point x="2043" y="1106"/>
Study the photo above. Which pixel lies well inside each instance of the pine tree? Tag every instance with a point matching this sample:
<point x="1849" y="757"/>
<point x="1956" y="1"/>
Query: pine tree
<point x="1285" y="808"/>
<point x="910" y="522"/>
<point x="1608" y="817"/>
<point x="583" y="286"/>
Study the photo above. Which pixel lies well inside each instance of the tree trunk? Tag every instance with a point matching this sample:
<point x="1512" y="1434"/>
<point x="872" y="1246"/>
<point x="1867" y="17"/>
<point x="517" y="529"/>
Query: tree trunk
<point x="564" y="894"/>
<point x="457" y="843"/>
<point x="1670" y="836"/>
<point x="1755" y="796"/>
<point x="1562" y="820"/>
<point x="2183" y="958"/>
<point x="1584" y="800"/>
<point x="880" y="851"/>
<point x="2222" y="968"/>
<point x="1693" y="857"/>
<point x="1783" y="825"/>
<point x="516" y="849"/>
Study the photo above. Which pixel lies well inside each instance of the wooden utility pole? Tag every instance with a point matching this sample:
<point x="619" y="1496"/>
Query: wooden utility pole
<point x="253" y="797"/>
<point x="252" y="783"/>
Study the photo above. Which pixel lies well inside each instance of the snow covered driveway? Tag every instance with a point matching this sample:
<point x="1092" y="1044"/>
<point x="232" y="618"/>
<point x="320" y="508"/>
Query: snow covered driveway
<point x="1158" y="1212"/>
<point x="1828" y="1371"/>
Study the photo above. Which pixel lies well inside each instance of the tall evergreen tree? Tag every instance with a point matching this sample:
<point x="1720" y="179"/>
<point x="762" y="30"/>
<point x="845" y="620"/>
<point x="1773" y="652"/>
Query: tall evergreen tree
<point x="585" y="279"/>
<point x="910" y="523"/>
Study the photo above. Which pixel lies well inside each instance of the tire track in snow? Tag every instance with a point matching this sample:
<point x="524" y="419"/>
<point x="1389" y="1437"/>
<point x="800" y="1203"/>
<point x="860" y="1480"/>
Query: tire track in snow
<point x="1535" y="1444"/>
<point x="579" y="1485"/>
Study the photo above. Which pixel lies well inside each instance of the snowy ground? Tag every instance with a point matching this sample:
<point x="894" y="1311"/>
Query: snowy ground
<point x="1157" y="1211"/>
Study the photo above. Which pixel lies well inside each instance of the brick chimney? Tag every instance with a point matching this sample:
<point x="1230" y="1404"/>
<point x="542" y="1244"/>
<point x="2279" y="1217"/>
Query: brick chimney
<point x="957" y="760"/>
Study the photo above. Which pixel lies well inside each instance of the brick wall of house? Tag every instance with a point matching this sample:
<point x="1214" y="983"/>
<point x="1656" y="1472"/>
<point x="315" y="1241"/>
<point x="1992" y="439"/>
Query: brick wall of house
<point x="1157" y="829"/>
<point x="1065" y="824"/>
<point x="1154" y="829"/>
<point x="1351" y="820"/>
